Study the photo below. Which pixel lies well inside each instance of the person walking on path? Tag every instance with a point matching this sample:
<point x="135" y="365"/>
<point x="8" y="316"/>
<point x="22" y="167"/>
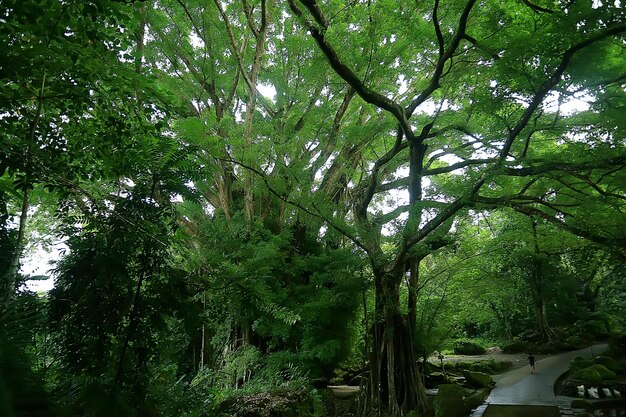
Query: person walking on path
<point x="531" y="362"/>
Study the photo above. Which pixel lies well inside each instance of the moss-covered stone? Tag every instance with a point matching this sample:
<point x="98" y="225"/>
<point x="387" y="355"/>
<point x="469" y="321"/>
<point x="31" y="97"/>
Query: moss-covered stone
<point x="450" y="407"/>
<point x="450" y="391"/>
<point x="593" y="373"/>
<point x="610" y="363"/>
<point x="580" y="363"/>
<point x="477" y="379"/>
<point x="476" y="399"/>
<point x="435" y="378"/>
<point x="580" y="403"/>
<point x="449" y="401"/>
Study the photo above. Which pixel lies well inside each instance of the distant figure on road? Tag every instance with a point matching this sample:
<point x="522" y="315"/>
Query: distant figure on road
<point x="531" y="362"/>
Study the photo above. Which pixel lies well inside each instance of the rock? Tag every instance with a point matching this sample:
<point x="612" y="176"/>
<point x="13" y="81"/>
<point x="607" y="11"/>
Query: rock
<point x="449" y="401"/>
<point x="435" y="378"/>
<point x="580" y="403"/>
<point x="593" y="373"/>
<point x="609" y="363"/>
<point x="593" y="393"/>
<point x="476" y="399"/>
<point x="450" y="391"/>
<point x="607" y="393"/>
<point x="580" y="363"/>
<point x="494" y="349"/>
<point x="477" y="379"/>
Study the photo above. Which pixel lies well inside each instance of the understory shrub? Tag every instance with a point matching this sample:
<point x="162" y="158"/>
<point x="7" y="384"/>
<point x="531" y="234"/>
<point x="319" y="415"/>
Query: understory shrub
<point x="489" y="366"/>
<point x="278" y="403"/>
<point x="518" y="346"/>
<point x="464" y="347"/>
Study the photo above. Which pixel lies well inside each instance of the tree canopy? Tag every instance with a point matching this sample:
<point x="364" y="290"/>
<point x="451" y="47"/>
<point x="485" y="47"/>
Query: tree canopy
<point x="260" y="193"/>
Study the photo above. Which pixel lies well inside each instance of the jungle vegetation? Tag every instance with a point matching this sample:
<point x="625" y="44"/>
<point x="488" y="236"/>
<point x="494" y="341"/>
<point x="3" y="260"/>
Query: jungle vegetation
<point x="260" y="195"/>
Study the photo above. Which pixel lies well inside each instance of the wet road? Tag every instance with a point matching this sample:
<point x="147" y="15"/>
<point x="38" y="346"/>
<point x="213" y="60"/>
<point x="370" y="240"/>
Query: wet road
<point x="522" y="389"/>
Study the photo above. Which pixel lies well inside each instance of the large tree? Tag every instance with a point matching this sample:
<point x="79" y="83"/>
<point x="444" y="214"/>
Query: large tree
<point x="388" y="122"/>
<point x="476" y="89"/>
<point x="428" y="109"/>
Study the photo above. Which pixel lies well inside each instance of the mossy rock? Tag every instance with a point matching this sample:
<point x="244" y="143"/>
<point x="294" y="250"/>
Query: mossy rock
<point x="450" y="391"/>
<point x="449" y="401"/>
<point x="593" y="373"/>
<point x="476" y="399"/>
<point x="468" y="348"/>
<point x="610" y="363"/>
<point x="450" y="407"/>
<point x="477" y="379"/>
<point x="580" y="403"/>
<point x="435" y="378"/>
<point x="580" y="363"/>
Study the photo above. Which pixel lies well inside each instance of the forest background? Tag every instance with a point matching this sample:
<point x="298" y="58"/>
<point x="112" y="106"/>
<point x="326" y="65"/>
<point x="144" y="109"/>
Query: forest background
<point x="262" y="194"/>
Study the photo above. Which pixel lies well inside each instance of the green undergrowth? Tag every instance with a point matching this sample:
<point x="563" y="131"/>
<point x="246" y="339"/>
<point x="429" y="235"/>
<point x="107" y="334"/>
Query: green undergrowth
<point x="488" y="366"/>
<point x="609" y="366"/>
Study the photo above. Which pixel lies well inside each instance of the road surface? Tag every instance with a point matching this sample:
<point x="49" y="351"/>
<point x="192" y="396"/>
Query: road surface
<point x="520" y="393"/>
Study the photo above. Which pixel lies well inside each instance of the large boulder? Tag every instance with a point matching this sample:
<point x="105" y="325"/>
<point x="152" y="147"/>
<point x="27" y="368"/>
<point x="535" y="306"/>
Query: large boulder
<point x="435" y="379"/>
<point x="476" y="399"/>
<point x="449" y="401"/>
<point x="580" y="403"/>
<point x="477" y="379"/>
<point x="579" y="363"/>
<point x="610" y="363"/>
<point x="593" y="373"/>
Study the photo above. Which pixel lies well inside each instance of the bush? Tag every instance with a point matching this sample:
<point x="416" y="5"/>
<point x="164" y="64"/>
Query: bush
<point x="593" y="373"/>
<point x="610" y="363"/>
<point x="468" y="348"/>
<point x="489" y="366"/>
<point x="518" y="346"/>
<point x="617" y="345"/>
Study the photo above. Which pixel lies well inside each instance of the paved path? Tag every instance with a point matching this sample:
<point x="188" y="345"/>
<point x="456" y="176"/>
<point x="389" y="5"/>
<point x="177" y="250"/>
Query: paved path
<point x="521" y="388"/>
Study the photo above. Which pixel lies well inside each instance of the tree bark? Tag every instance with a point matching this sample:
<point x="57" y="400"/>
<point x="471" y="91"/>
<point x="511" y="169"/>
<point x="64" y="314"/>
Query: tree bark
<point x="537" y="284"/>
<point x="396" y="386"/>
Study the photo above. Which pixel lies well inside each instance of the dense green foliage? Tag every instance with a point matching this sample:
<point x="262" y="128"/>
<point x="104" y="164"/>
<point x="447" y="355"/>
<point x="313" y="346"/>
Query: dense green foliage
<point x="257" y="197"/>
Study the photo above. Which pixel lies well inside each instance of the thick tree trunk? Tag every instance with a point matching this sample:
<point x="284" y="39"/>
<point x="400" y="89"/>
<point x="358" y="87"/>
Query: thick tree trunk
<point x="395" y="386"/>
<point x="537" y="284"/>
<point x="414" y="265"/>
<point x="542" y="322"/>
